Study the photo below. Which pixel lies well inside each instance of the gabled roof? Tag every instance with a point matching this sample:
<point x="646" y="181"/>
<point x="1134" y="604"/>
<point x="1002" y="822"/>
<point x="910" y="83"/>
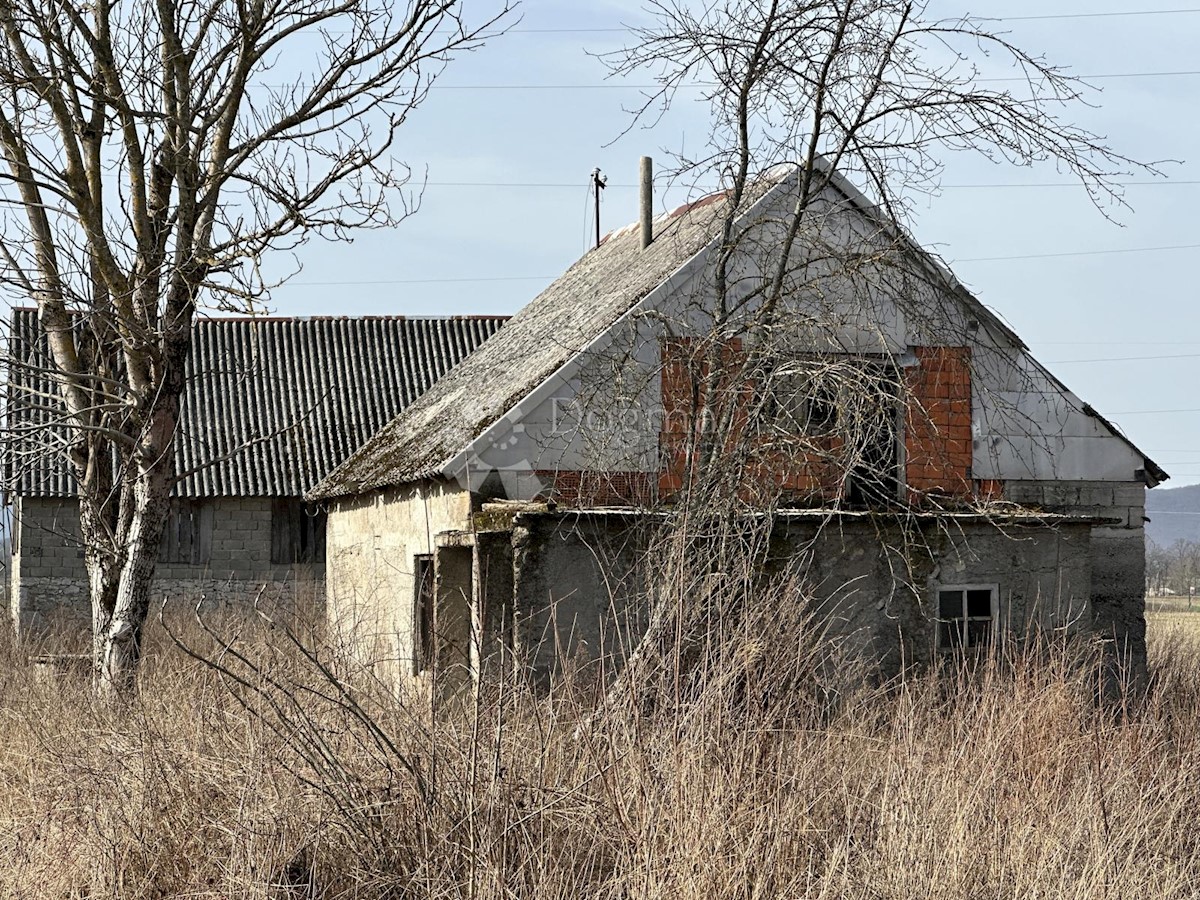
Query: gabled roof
<point x="556" y="326"/>
<point x="573" y="313"/>
<point x="271" y="405"/>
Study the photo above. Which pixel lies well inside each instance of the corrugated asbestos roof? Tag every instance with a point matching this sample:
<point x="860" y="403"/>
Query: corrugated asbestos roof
<point x="559" y="323"/>
<point x="271" y="405"/>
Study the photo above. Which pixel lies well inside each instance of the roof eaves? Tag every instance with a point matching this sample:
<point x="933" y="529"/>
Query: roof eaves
<point x="564" y="372"/>
<point x="1153" y="473"/>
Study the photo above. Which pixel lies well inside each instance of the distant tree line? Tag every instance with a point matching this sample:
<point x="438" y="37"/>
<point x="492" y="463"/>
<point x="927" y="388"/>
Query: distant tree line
<point x="1173" y="570"/>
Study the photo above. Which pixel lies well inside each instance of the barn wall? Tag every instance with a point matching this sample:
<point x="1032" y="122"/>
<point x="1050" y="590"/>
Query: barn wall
<point x="49" y="584"/>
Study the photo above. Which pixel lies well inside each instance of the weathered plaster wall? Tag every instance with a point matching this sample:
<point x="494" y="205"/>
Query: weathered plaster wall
<point x="370" y="545"/>
<point x="574" y="575"/>
<point x="49" y="584"/>
<point x="1118" y="554"/>
<point x="577" y="586"/>
<point x="1042" y="575"/>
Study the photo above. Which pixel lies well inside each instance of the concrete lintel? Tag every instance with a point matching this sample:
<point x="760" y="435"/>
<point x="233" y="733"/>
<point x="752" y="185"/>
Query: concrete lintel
<point x="454" y="539"/>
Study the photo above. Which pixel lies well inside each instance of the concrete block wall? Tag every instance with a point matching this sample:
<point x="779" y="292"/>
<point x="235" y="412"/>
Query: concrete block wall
<point x="578" y="587"/>
<point x="875" y="586"/>
<point x="1118" y="554"/>
<point x="48" y="586"/>
<point x="579" y="581"/>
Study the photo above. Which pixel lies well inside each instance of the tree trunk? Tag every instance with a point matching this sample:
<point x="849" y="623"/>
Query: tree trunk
<point x="121" y="594"/>
<point x="118" y="635"/>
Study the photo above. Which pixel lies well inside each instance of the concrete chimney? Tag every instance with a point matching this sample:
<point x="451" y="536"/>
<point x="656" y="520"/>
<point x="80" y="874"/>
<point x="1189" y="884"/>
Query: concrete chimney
<point x="647" y="197"/>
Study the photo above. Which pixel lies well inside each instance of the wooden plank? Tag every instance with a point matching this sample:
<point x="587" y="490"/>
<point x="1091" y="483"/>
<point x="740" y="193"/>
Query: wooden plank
<point x="183" y="516"/>
<point x="204" y="534"/>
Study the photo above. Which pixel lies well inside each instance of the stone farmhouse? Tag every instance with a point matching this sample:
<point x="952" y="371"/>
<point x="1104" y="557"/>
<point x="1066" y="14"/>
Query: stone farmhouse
<point x="502" y="508"/>
<point x="271" y="406"/>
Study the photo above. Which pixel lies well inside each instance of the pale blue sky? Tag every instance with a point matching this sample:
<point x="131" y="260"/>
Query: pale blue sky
<point x="506" y="209"/>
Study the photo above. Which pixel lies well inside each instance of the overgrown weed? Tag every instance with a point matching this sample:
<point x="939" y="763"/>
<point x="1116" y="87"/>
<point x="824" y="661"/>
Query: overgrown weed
<point x="284" y="773"/>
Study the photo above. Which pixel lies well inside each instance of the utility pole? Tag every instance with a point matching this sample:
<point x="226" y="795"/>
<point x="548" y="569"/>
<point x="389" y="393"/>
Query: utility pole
<point x="598" y="182"/>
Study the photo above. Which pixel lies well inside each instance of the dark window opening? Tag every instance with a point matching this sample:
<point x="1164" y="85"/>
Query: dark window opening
<point x="874" y="480"/>
<point x="297" y="532"/>
<point x="187" y="535"/>
<point x="805" y="404"/>
<point x="874" y="438"/>
<point x="423" y="613"/>
<point x="966" y="617"/>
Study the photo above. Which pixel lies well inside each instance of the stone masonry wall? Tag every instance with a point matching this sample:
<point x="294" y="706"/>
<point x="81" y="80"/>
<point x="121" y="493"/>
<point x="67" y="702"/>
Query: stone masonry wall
<point x="49" y="584"/>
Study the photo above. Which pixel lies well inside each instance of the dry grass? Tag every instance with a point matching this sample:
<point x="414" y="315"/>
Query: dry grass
<point x="294" y="785"/>
<point x="1166" y="615"/>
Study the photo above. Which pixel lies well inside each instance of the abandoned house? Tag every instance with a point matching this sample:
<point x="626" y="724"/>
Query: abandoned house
<point x="270" y="407"/>
<point x="501" y="508"/>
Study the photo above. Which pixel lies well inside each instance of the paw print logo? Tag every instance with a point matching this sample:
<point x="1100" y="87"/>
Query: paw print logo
<point x="501" y="468"/>
<point x="509" y="440"/>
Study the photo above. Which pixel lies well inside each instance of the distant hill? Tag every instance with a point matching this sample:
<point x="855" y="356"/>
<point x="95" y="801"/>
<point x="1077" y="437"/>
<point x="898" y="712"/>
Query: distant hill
<point x="1174" y="513"/>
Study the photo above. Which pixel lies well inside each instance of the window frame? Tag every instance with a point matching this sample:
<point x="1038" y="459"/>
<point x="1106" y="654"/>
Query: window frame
<point x="804" y="404"/>
<point x="964" y="646"/>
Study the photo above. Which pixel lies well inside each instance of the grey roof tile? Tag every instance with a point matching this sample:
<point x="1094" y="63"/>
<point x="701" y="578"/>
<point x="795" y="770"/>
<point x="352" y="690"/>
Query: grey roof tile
<point x="271" y="405"/>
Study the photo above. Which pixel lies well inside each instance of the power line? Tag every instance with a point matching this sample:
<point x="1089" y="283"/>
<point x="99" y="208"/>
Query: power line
<point x="1117" y="343"/>
<point x="632" y="186"/>
<point x="1102" y="75"/>
<point x="617" y="86"/>
<point x="1155" y="412"/>
<point x="423" y="280"/>
<point x="1049" y="184"/>
<point x="1063" y="362"/>
<point x="977" y="259"/>
<point x="1099" y="15"/>
<point x="1049" y="16"/>
<point x="1079" y="253"/>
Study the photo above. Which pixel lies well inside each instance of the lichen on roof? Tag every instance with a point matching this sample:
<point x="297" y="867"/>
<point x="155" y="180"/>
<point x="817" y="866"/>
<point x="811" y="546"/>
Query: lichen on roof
<point x="559" y="323"/>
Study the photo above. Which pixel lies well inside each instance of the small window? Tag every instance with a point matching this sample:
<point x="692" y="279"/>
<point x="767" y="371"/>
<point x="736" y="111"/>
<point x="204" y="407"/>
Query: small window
<point x="966" y="616"/>
<point x="297" y="532"/>
<point x="422" y="613"/>
<point x="187" y="536"/>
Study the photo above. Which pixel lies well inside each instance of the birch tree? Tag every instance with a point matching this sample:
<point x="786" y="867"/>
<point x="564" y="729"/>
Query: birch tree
<point x="154" y="152"/>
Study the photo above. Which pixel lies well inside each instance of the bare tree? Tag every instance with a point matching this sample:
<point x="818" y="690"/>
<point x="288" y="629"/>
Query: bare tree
<point x="787" y="348"/>
<point x="155" y="151"/>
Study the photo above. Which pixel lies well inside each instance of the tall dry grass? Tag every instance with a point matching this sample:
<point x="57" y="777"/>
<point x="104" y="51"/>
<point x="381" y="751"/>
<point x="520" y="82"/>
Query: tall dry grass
<point x="289" y="777"/>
